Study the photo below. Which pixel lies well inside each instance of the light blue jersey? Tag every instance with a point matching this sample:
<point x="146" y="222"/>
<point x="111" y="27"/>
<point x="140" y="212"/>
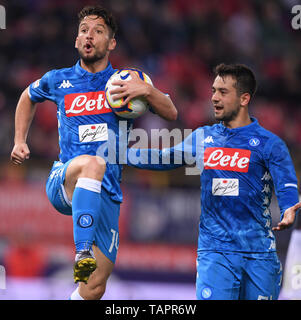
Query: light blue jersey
<point x="240" y="169"/>
<point x="84" y="118"/>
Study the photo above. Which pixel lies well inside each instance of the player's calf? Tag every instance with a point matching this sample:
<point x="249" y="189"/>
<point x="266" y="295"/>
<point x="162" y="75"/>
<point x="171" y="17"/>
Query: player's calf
<point x="94" y="290"/>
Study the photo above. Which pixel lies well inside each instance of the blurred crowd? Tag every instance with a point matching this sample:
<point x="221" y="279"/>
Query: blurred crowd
<point x="177" y="42"/>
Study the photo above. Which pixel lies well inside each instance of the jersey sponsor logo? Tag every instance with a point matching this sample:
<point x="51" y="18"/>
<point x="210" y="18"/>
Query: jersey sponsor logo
<point x="225" y="187"/>
<point x="87" y="103"/>
<point x="228" y="159"/>
<point x="209" y="139"/>
<point x="66" y="84"/>
<point x="93" y="132"/>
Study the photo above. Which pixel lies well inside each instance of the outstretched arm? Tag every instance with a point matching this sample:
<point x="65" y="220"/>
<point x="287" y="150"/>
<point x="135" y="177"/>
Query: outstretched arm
<point x="136" y="87"/>
<point x="24" y="114"/>
<point x="188" y="152"/>
<point x="154" y="159"/>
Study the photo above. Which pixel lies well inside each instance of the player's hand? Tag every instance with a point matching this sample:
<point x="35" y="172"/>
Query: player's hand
<point x="129" y="89"/>
<point x="20" y="153"/>
<point x="288" y="218"/>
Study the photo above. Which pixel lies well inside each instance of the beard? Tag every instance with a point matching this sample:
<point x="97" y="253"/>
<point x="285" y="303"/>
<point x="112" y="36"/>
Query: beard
<point x="228" y="116"/>
<point x="91" y="58"/>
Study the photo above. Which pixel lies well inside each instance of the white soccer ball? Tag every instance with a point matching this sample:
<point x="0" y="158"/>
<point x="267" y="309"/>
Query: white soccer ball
<point x="137" y="106"/>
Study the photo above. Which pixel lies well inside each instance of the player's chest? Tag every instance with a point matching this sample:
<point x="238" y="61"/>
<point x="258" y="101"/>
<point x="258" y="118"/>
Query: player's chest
<point x="238" y="154"/>
<point x="81" y="98"/>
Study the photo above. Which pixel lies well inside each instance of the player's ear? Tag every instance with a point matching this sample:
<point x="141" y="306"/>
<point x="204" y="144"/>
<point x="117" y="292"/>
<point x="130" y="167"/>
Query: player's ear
<point x="76" y="45"/>
<point x="112" y="44"/>
<point x="245" y="99"/>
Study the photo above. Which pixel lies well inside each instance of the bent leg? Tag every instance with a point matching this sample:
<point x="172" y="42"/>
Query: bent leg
<point x="84" y="166"/>
<point x="102" y="229"/>
<point x="96" y="286"/>
<point x="83" y="186"/>
<point x="105" y="248"/>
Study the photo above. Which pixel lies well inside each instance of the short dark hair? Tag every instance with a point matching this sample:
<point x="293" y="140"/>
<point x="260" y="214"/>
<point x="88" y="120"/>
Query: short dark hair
<point x="244" y="76"/>
<point x="101" y="12"/>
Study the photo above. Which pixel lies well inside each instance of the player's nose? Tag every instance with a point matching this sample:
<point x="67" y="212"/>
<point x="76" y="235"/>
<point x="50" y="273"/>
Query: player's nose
<point x="215" y="97"/>
<point x="89" y="35"/>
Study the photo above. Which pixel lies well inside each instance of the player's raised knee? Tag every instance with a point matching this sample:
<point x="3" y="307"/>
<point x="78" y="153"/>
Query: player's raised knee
<point x="92" y="167"/>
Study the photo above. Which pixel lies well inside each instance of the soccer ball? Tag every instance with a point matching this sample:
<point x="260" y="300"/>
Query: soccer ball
<point x="137" y="106"/>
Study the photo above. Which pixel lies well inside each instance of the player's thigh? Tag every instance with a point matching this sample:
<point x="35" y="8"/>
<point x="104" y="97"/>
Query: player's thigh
<point x="86" y="166"/>
<point x="217" y="277"/>
<point x="55" y="188"/>
<point x="262" y="280"/>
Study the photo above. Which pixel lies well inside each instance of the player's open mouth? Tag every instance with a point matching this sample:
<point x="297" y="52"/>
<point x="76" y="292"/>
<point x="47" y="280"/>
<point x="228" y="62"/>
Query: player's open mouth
<point x="88" y="47"/>
<point x="218" y="108"/>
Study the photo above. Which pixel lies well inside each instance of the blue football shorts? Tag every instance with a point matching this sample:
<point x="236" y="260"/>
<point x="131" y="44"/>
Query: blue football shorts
<point x="107" y="231"/>
<point x="235" y="276"/>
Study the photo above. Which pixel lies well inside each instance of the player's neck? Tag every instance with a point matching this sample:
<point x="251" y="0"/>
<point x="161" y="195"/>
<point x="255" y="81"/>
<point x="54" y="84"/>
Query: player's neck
<point x="94" y="67"/>
<point x="240" y="121"/>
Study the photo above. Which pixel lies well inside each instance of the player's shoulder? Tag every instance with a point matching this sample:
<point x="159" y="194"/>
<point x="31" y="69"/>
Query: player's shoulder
<point x="208" y="128"/>
<point x="267" y="135"/>
<point x="62" y="72"/>
<point x="272" y="144"/>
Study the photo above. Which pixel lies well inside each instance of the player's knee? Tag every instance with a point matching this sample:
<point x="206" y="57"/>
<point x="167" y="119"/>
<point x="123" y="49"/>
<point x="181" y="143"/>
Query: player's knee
<point x="92" y="167"/>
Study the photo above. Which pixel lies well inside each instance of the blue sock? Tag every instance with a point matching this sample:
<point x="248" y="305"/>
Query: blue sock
<point x="85" y="210"/>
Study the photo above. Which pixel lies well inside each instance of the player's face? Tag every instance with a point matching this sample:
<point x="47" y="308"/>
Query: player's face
<point x="94" y="41"/>
<point x="225" y="100"/>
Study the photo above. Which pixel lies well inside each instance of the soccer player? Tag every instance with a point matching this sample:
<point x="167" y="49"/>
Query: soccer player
<point x="241" y="163"/>
<point x="82" y="183"/>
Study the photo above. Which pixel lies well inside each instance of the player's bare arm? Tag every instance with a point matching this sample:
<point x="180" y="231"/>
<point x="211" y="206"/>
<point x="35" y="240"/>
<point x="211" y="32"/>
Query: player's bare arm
<point x="24" y="114"/>
<point x="288" y="217"/>
<point x="136" y="87"/>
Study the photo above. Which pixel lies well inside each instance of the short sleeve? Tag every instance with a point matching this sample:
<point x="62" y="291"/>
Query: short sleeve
<point x="42" y="89"/>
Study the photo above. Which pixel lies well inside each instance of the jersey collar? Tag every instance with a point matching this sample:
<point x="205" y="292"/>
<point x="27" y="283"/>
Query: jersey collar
<point x="82" y="72"/>
<point x="248" y="127"/>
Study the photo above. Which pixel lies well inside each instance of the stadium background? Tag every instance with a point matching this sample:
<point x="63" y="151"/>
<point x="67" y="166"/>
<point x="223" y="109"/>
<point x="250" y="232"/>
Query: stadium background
<point x="177" y="42"/>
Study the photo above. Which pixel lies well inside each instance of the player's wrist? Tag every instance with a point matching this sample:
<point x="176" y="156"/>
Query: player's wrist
<point x="20" y="141"/>
<point x="148" y="90"/>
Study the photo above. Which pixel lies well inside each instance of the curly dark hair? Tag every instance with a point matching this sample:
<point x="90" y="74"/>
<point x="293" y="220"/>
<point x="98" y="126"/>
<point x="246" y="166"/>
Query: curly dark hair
<point x="101" y="12"/>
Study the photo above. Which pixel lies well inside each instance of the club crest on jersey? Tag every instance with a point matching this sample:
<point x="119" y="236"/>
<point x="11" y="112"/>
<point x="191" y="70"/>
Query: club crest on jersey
<point x="86" y="103"/>
<point x="254" y="142"/>
<point x="228" y="159"/>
